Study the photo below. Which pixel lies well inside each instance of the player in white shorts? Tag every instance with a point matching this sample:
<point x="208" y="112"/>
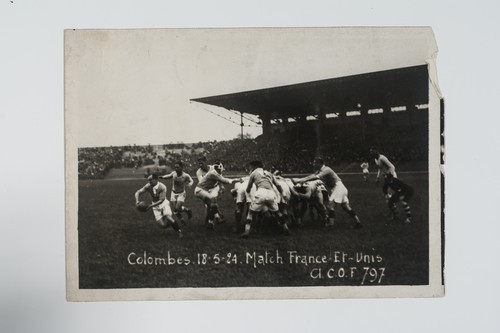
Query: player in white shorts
<point x="242" y="199"/>
<point x="205" y="192"/>
<point x="366" y="173"/>
<point x="336" y="190"/>
<point x="218" y="189"/>
<point x="160" y="204"/>
<point x="180" y="180"/>
<point x="265" y="198"/>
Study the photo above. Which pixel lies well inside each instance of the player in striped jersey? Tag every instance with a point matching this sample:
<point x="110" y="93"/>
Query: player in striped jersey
<point x="402" y="192"/>
<point x="180" y="180"/>
<point x="336" y="190"/>
<point x="160" y="204"/>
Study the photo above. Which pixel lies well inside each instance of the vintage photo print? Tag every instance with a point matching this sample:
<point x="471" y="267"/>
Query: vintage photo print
<point x="261" y="163"/>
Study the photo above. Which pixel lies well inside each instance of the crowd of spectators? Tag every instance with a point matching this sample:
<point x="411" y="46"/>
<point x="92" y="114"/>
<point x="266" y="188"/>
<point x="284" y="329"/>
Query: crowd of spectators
<point x="289" y="152"/>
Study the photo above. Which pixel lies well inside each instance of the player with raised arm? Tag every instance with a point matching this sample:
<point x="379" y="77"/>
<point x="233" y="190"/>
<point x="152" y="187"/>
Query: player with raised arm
<point x="402" y="192"/>
<point x="160" y="204"/>
<point x="180" y="180"/>
<point x="336" y="190"/>
<point x="205" y="192"/>
<point x="265" y="198"/>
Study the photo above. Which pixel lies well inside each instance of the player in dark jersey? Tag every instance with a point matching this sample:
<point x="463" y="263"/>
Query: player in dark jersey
<point x="402" y="192"/>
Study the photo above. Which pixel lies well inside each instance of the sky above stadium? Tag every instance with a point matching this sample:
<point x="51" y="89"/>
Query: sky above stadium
<point x="134" y="86"/>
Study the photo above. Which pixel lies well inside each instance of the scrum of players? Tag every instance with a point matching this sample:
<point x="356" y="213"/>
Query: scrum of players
<point x="265" y="196"/>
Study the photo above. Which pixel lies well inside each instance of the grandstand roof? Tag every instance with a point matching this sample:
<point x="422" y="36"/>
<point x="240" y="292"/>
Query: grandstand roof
<point x="396" y="87"/>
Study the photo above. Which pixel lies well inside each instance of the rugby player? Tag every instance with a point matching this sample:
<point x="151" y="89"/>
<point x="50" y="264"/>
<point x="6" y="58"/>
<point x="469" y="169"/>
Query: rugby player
<point x="315" y="195"/>
<point x="366" y="173"/>
<point x="160" y="204"/>
<point x="288" y="197"/>
<point x="203" y="169"/>
<point x="337" y="192"/>
<point x="180" y="180"/>
<point x="402" y="192"/>
<point x="205" y="191"/>
<point x="242" y="199"/>
<point x="265" y="198"/>
<point x="385" y="166"/>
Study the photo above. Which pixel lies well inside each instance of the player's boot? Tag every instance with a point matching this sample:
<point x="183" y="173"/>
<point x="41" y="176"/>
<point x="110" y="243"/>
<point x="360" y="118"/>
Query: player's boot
<point x="210" y="225"/>
<point x="408" y="220"/>
<point x="286" y="231"/>
<point x="329" y="223"/>
<point x="189" y="213"/>
<point x="246" y="233"/>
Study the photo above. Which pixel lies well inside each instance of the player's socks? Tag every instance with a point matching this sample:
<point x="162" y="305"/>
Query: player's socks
<point x="357" y="222"/>
<point x="210" y="225"/>
<point x="393" y="210"/>
<point x="284" y="225"/>
<point x="237" y="219"/>
<point x="175" y="226"/>
<point x="246" y="233"/>
<point x="330" y="221"/>
<point x="406" y="207"/>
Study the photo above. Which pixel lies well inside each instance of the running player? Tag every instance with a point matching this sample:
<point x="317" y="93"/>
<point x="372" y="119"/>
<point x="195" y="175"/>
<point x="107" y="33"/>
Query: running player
<point x="402" y="192"/>
<point x="160" y="204"/>
<point x="217" y="190"/>
<point x="180" y="180"/>
<point x="265" y="198"/>
<point x="366" y="173"/>
<point x="336" y="190"/>
<point x="205" y="192"/>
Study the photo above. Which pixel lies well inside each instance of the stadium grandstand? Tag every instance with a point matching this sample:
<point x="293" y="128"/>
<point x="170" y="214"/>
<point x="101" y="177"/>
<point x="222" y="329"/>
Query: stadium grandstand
<point x="338" y="119"/>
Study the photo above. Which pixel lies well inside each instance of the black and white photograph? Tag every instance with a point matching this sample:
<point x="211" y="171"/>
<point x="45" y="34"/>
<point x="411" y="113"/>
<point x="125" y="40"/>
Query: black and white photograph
<point x="263" y="163"/>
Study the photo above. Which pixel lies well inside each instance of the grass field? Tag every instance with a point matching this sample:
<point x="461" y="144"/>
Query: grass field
<point x="114" y="238"/>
